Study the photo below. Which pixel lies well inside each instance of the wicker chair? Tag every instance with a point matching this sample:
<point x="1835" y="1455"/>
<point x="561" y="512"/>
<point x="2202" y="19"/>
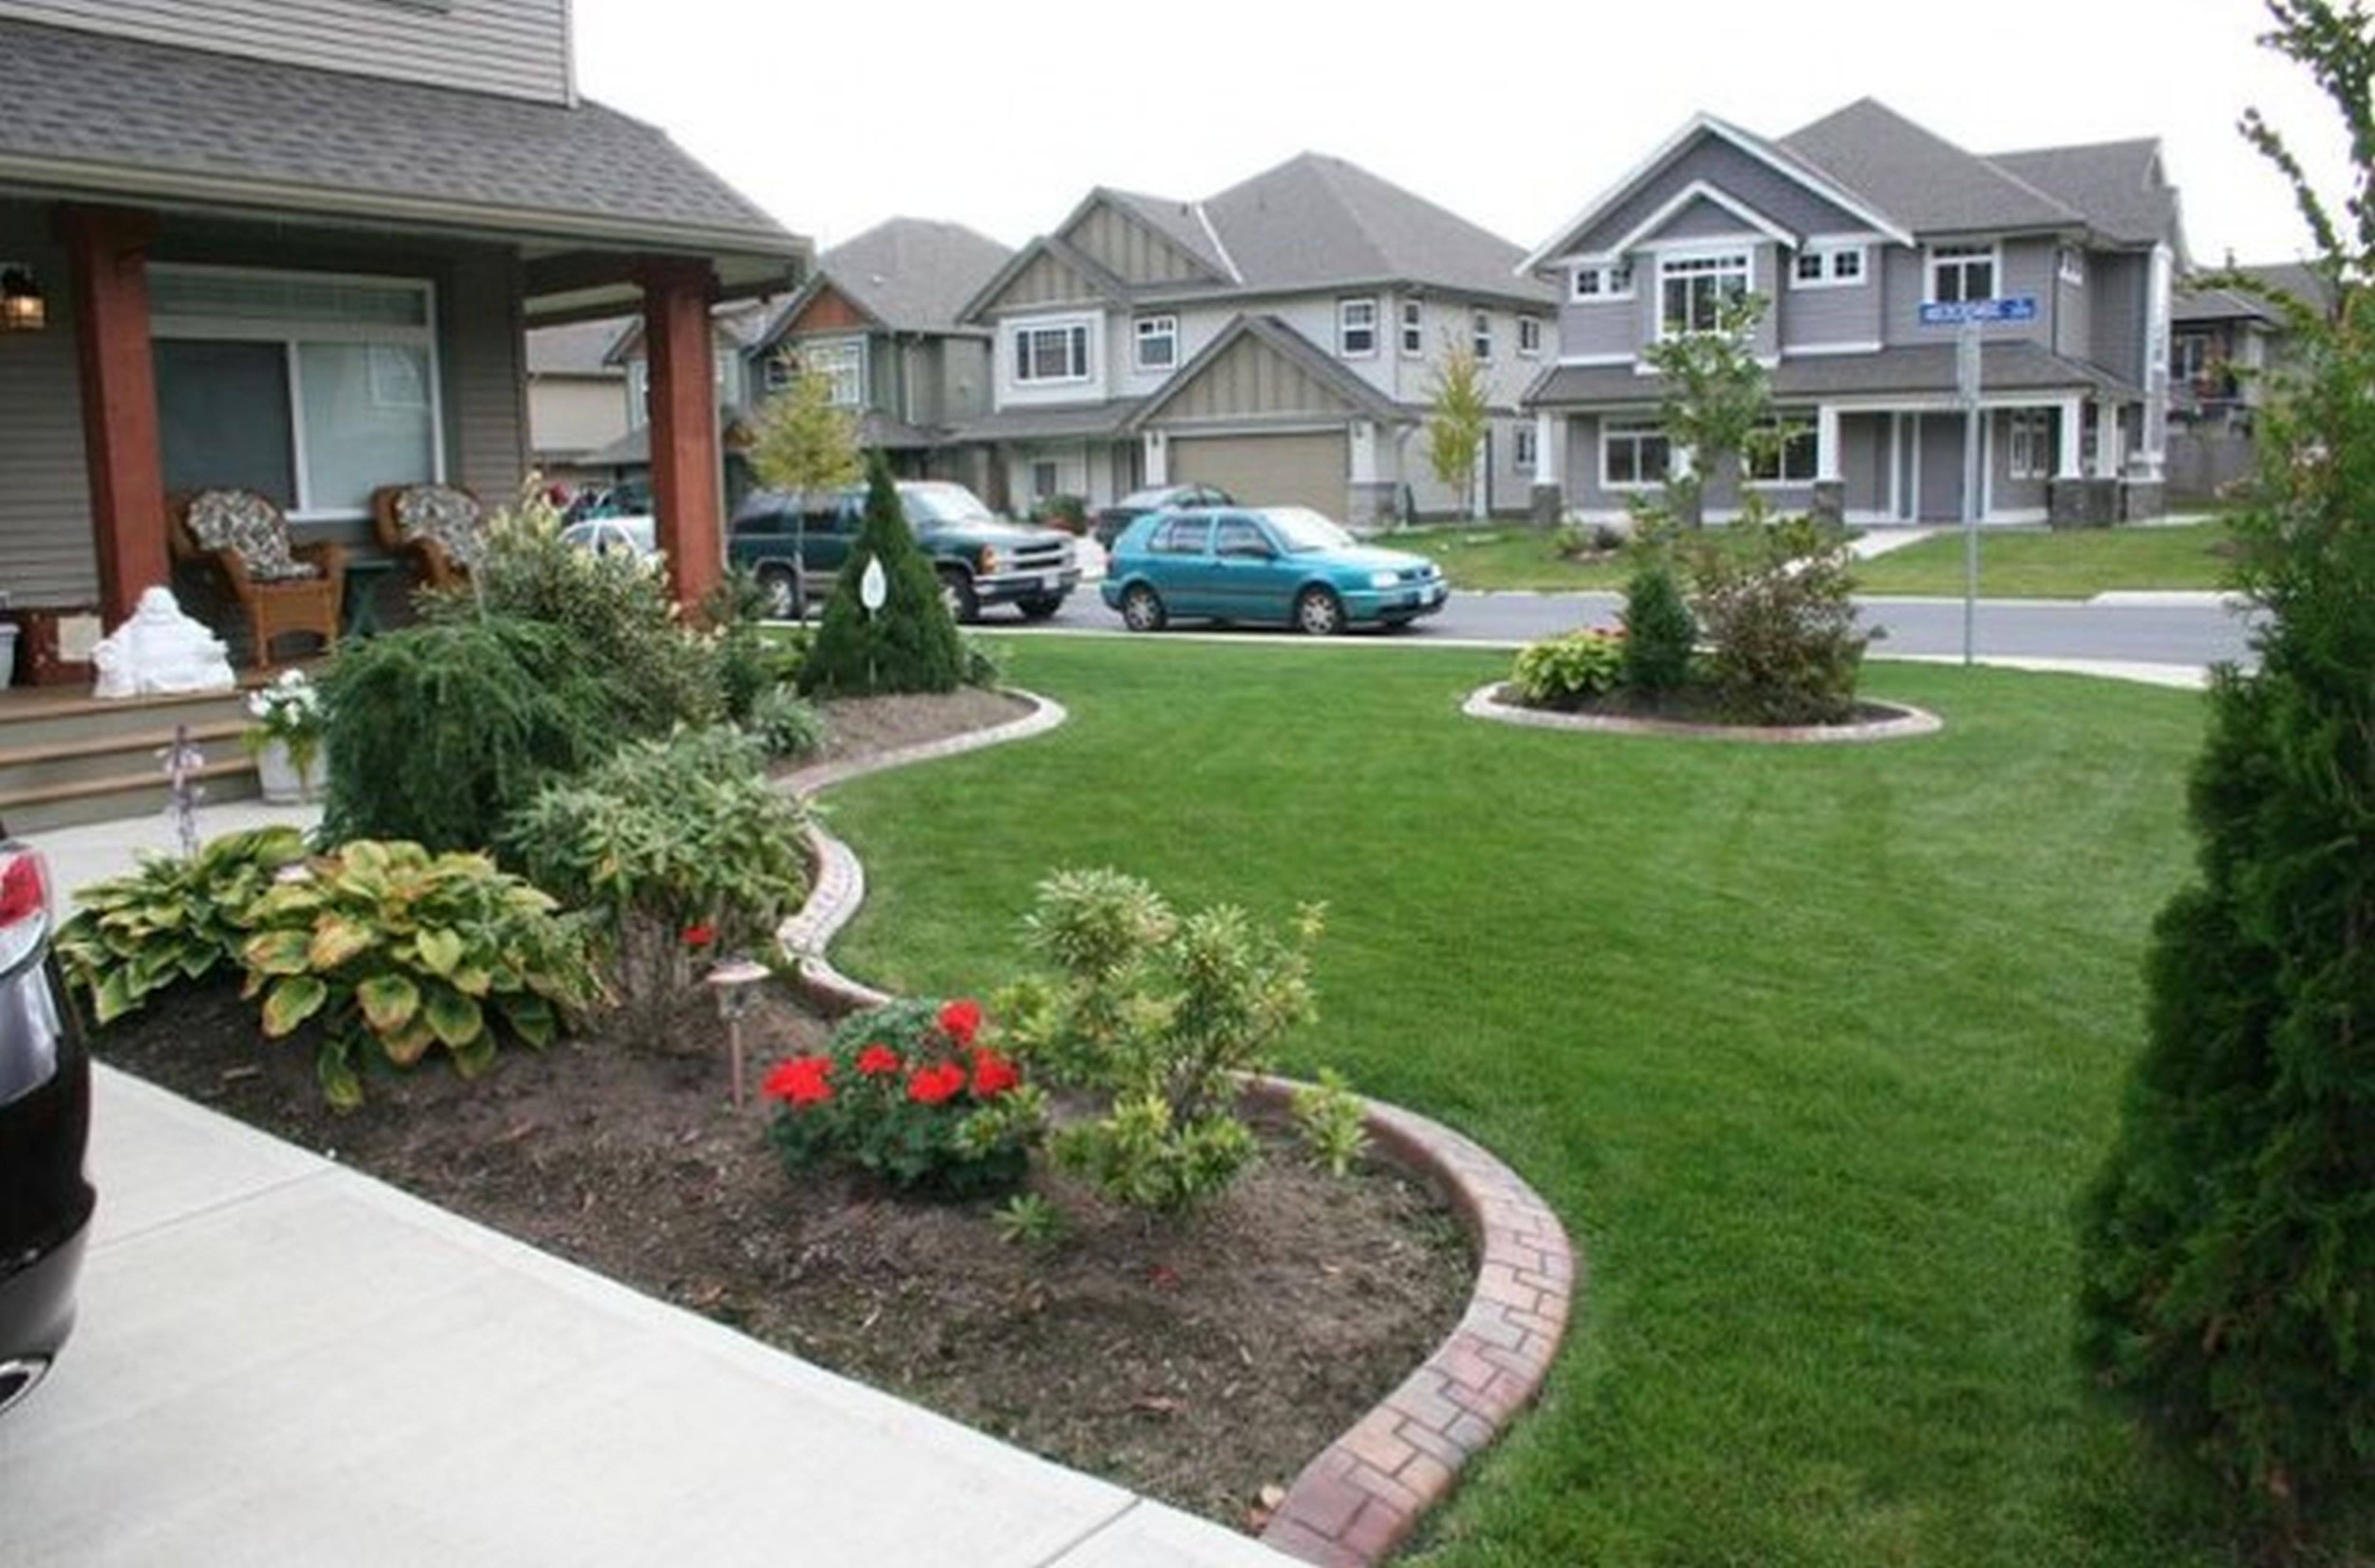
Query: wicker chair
<point x="439" y="526"/>
<point x="280" y="588"/>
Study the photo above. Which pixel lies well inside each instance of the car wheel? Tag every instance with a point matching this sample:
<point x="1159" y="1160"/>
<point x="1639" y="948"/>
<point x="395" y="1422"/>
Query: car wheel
<point x="1319" y="613"/>
<point x="956" y="592"/>
<point x="783" y="586"/>
<point x="1142" y="608"/>
<point x="1039" y="606"/>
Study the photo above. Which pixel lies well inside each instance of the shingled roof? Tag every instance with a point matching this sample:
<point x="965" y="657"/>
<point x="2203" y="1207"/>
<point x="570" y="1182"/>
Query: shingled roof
<point x="86" y="111"/>
<point x="908" y="274"/>
<point x="1919" y="178"/>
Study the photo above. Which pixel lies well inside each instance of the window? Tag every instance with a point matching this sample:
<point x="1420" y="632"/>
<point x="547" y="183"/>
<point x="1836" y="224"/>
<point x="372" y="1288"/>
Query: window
<point x="2029" y="443"/>
<point x="1181" y="535"/>
<point x="1693" y="289"/>
<point x="779" y="371"/>
<point x="1158" y="342"/>
<point x="1521" y="447"/>
<point x="1609" y="280"/>
<point x="1823" y="266"/>
<point x="311" y="388"/>
<point x="843" y="366"/>
<point x="1634" y="453"/>
<point x="1481" y="330"/>
<point x="1044" y="478"/>
<point x="1958" y="273"/>
<point x="1413" y="329"/>
<point x="1791" y="461"/>
<point x="2071" y="263"/>
<point x="1052" y="353"/>
<point x="1356" y="328"/>
<point x="1530" y="337"/>
<point x="1238" y="537"/>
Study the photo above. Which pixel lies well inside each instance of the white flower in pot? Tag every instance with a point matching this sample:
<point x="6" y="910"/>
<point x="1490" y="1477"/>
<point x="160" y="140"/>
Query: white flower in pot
<point x="285" y="739"/>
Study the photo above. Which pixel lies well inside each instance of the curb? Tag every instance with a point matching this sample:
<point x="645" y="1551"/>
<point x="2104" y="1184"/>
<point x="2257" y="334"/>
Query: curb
<point x="1484" y="702"/>
<point x="1366" y="1491"/>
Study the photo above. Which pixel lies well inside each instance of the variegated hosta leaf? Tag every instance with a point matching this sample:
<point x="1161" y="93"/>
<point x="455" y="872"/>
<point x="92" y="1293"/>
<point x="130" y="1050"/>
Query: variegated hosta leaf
<point x="475" y="1057"/>
<point x="276" y="953"/>
<point x="389" y="1001"/>
<point x="291" y="1002"/>
<point x="441" y="950"/>
<point x="408" y="1043"/>
<point x="335" y="1068"/>
<point x="335" y="941"/>
<point x="457" y="1019"/>
<point x="533" y="1019"/>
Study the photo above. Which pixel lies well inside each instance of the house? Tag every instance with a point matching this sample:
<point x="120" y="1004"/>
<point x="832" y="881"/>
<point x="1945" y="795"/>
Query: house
<point x="295" y="245"/>
<point x="2223" y="340"/>
<point x="733" y="325"/>
<point x="1277" y="339"/>
<point x="1849" y="227"/>
<point x="879" y="317"/>
<point x="576" y="397"/>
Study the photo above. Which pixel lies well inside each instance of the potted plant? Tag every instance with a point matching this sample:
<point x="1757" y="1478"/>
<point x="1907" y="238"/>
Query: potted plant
<point x="285" y="739"/>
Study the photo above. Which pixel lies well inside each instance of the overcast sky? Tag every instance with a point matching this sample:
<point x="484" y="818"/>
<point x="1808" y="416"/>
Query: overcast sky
<point x="833" y="117"/>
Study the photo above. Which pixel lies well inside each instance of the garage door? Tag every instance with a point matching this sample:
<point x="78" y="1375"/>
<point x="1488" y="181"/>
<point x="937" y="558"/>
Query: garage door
<point x="1268" y="470"/>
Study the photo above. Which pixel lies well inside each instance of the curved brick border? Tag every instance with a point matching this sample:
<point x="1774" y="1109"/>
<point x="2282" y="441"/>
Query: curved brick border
<point x="1484" y="702"/>
<point x="1366" y="1491"/>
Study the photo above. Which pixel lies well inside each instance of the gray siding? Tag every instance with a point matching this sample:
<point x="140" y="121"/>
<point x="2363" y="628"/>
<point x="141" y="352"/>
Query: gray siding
<point x="45" y="548"/>
<point x="965" y="377"/>
<point x="2116" y="330"/>
<point x="2027" y="267"/>
<point x="518" y="48"/>
<point x="1044" y="281"/>
<point x="1251" y="379"/>
<point x="1128" y="249"/>
<point x="1732" y="171"/>
<point x="1845" y="314"/>
<point x="1701" y="220"/>
<point x="1606" y="326"/>
<point x="483" y="343"/>
<point x="1863" y="463"/>
<point x="2073" y="307"/>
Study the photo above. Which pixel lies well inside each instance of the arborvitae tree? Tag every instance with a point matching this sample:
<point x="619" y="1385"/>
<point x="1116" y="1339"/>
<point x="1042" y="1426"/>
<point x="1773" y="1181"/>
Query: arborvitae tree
<point x="1659" y="631"/>
<point x="910" y="644"/>
<point x="2228" y="1245"/>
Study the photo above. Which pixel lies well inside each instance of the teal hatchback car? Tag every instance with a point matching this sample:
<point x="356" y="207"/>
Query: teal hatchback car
<point x="1284" y="565"/>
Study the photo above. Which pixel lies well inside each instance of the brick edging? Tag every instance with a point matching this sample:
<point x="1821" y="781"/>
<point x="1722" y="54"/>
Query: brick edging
<point x="1366" y="1491"/>
<point x="1484" y="702"/>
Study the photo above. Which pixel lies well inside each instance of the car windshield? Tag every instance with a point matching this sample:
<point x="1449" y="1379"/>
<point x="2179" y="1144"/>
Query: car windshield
<point x="944" y="503"/>
<point x="1299" y="528"/>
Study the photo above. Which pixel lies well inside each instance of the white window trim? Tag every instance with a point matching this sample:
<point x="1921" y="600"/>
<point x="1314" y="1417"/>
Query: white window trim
<point x="1480" y="335"/>
<point x="2074" y="275"/>
<point x="1607" y="270"/>
<point x="1142" y="329"/>
<point x="1802" y="430"/>
<point x="1631" y="427"/>
<point x="1827" y="257"/>
<point x="2029" y="443"/>
<point x="1523" y="453"/>
<point x="1931" y="255"/>
<point x="1530" y="337"/>
<point x="292" y="334"/>
<point x="1413" y="330"/>
<point x="1010" y="371"/>
<point x="1344" y="307"/>
<point x="1682" y="259"/>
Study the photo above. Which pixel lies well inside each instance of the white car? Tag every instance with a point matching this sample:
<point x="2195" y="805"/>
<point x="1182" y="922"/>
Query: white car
<point x="636" y="537"/>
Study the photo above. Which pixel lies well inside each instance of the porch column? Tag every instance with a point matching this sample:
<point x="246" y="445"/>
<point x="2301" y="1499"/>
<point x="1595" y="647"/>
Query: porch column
<point x="108" y="253"/>
<point x="1550" y="435"/>
<point x="685" y="479"/>
<point x="2073" y="432"/>
<point x="2107" y="442"/>
<point x="1155" y="453"/>
<point x="1827" y="444"/>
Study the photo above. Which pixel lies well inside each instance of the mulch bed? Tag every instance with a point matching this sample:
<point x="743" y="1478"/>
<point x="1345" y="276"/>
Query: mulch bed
<point x="1203" y="1362"/>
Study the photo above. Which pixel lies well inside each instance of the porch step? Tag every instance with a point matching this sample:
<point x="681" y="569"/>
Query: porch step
<point x="36" y="717"/>
<point x="67" y="758"/>
<point x="117" y="797"/>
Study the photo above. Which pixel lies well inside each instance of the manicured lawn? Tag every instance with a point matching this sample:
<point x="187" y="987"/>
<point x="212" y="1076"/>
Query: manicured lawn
<point x="1811" y="1047"/>
<point x="1508" y="555"/>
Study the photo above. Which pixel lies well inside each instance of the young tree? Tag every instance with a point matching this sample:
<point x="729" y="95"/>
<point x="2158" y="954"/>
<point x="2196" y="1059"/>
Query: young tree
<point x="801" y="440"/>
<point x="2227" y="1291"/>
<point x="909" y="642"/>
<point x="1456" y="421"/>
<point x="1715" y="403"/>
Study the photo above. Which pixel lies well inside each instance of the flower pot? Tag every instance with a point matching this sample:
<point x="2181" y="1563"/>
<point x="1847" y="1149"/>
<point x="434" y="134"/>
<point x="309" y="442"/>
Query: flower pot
<point x="276" y="772"/>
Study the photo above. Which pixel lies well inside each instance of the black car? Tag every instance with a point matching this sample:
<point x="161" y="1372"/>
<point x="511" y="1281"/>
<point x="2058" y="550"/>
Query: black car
<point x="45" y="1203"/>
<point x="1113" y="519"/>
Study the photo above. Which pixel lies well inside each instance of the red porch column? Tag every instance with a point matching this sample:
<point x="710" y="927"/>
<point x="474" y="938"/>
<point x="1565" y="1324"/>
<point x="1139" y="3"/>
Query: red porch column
<point x="683" y="409"/>
<point x="108" y="249"/>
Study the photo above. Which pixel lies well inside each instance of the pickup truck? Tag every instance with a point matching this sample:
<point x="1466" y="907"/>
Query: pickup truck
<point x="796" y="544"/>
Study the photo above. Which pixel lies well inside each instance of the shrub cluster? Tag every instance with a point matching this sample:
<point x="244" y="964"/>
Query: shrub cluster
<point x="1774" y="603"/>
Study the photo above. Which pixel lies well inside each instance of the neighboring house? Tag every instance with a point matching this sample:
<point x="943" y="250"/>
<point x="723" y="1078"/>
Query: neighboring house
<point x="879" y="317"/>
<point x="1848" y="227"/>
<point x="1277" y="339"/>
<point x="733" y="326"/>
<point x="577" y="398"/>
<point x="2224" y="340"/>
<point x="295" y="245"/>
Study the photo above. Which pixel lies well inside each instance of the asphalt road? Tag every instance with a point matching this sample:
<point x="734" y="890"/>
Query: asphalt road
<point x="2184" y="630"/>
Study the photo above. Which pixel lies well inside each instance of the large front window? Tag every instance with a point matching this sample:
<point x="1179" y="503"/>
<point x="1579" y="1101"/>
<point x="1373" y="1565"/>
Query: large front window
<point x="312" y="389"/>
<point x="1044" y="354"/>
<point x="1692" y="290"/>
<point x="1634" y="453"/>
<point x="1959" y="272"/>
<point x="843" y="365"/>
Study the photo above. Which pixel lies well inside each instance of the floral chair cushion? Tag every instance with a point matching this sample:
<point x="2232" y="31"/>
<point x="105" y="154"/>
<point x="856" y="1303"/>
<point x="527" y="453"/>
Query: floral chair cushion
<point x="442" y="514"/>
<point x="250" y="527"/>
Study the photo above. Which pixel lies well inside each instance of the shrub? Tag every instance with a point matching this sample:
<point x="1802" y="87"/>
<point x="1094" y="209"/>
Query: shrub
<point x="1774" y="603"/>
<point x="1659" y="631"/>
<point x="785" y="725"/>
<point x="748" y="660"/>
<point x="1157" y="1013"/>
<point x="443" y="730"/>
<point x="175" y="919"/>
<point x="910" y="1093"/>
<point x="395" y="951"/>
<point x="666" y="837"/>
<point x="1568" y="669"/>
<point x="910" y="644"/>
<point x="1068" y="513"/>
<point x="1331" y="1122"/>
<point x="984" y="662"/>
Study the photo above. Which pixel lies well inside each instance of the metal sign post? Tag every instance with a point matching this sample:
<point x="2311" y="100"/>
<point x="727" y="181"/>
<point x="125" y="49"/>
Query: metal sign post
<point x="1966" y="316"/>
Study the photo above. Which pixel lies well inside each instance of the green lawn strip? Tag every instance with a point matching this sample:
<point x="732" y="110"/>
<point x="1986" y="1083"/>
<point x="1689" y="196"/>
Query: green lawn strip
<point x="1508" y="557"/>
<point x="2064" y="563"/>
<point x="1811" y="1047"/>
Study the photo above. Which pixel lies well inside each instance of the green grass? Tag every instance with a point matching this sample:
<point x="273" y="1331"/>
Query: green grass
<point x="2014" y="563"/>
<point x="1811" y="1047"/>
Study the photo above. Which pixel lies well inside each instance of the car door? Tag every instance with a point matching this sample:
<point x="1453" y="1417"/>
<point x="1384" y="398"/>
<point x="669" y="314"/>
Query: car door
<point x="1179" y="563"/>
<point x="1244" y="571"/>
<point x="828" y="530"/>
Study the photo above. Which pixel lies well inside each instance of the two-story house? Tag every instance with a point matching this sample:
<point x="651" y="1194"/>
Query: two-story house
<point x="294" y="245"/>
<point x="2224" y="341"/>
<point x="576" y="397"/>
<point x="1848" y="228"/>
<point x="1278" y="339"/>
<point x="879" y="317"/>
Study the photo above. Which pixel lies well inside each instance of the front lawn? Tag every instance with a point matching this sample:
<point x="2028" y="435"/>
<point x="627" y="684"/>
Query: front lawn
<point x="1811" y="1047"/>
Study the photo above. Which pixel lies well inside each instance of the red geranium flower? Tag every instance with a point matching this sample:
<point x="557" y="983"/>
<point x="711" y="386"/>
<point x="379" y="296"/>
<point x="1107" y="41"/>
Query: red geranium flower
<point x="700" y="935"/>
<point x="877" y="1060"/>
<point x="800" y="1081"/>
<point x="933" y="1085"/>
<point x="961" y="1020"/>
<point x="992" y="1074"/>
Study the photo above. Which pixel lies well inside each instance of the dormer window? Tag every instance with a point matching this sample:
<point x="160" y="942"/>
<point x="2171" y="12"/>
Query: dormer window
<point x="1604" y="280"/>
<point x="1960" y="273"/>
<point x="1828" y="267"/>
<point x="1356" y="327"/>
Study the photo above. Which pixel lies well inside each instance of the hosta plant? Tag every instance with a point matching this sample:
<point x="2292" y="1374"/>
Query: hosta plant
<point x="396" y="952"/>
<point x="1560" y="672"/>
<point x="175" y="919"/>
<point x="913" y="1094"/>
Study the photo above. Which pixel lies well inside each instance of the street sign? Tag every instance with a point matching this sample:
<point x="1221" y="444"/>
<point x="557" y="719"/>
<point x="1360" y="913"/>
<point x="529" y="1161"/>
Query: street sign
<point x="2013" y="307"/>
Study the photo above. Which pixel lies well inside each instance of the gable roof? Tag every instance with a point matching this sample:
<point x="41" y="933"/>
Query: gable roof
<point x="2117" y="186"/>
<point x="1923" y="181"/>
<point x="2198" y="301"/>
<point x="907" y="274"/>
<point x="1185" y="224"/>
<point x="580" y="348"/>
<point x="1291" y="346"/>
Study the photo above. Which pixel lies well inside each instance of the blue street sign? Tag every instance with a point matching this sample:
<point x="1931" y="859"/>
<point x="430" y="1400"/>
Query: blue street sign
<point x="2015" y="307"/>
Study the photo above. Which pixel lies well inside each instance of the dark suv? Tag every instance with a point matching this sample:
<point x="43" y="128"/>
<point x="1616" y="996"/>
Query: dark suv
<point x="45" y="1203"/>
<point x="796" y="544"/>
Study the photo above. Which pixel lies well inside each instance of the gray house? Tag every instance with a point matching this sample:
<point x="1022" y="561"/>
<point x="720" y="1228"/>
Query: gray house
<point x="1848" y="228"/>
<point x="294" y="245"/>
<point x="1277" y="339"/>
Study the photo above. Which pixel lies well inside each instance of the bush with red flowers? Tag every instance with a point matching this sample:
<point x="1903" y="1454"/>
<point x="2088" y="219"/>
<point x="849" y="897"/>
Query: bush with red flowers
<point x="914" y="1093"/>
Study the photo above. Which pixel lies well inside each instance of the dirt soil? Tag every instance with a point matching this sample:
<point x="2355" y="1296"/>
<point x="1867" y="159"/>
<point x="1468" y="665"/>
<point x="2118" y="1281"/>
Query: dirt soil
<point x="1202" y="1362"/>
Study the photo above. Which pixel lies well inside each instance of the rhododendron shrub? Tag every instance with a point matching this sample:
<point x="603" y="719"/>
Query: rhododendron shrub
<point x="916" y="1093"/>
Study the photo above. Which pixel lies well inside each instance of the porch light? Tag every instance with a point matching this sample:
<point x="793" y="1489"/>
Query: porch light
<point x="22" y="308"/>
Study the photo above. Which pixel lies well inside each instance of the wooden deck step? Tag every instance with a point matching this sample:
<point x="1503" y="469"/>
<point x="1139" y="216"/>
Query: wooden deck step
<point x="114" y="798"/>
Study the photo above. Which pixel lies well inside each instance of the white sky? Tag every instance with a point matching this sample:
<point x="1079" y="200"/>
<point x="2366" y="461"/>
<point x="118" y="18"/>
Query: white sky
<point x="835" y="116"/>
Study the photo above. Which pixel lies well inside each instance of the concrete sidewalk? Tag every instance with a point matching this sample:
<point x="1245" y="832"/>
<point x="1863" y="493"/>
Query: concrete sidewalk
<point x="281" y="1361"/>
